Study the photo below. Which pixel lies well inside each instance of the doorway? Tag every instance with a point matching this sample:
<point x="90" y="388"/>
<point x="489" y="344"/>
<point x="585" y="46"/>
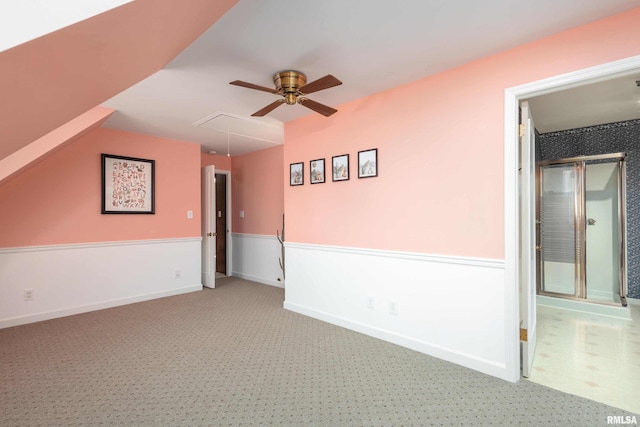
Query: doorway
<point x="515" y="262"/>
<point x="581" y="252"/>
<point x="216" y="225"/>
<point x="221" y="224"/>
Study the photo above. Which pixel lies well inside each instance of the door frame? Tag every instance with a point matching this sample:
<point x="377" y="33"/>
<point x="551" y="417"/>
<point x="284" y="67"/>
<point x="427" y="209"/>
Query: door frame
<point x="512" y="98"/>
<point x="528" y="239"/>
<point x="228" y="247"/>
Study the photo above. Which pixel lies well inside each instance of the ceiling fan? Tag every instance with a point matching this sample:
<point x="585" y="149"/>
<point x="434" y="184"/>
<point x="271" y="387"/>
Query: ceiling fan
<point x="293" y="86"/>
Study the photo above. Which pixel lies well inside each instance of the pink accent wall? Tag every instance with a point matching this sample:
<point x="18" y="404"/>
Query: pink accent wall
<point x="440" y="188"/>
<point x="50" y="80"/>
<point x="42" y="147"/>
<point x="257" y="185"/>
<point x="220" y="162"/>
<point x="58" y="201"/>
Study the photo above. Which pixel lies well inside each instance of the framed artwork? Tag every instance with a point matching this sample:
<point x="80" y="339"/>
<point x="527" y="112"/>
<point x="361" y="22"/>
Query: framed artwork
<point x="317" y="171"/>
<point x="340" y="167"/>
<point x="128" y="185"/>
<point x="368" y="163"/>
<point x="296" y="174"/>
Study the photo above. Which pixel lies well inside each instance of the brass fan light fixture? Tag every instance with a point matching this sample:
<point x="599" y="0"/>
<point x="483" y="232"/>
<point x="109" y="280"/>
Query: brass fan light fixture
<point x="292" y="86"/>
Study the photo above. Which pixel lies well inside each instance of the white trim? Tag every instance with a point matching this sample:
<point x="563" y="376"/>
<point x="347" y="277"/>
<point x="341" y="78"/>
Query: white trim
<point x="71" y="279"/>
<point x="585" y="306"/>
<point x="512" y="97"/>
<point x="416" y="256"/>
<point x="67" y="246"/>
<point x="256" y="258"/>
<point x="54" y="314"/>
<point x="633" y="301"/>
<point x="448" y="307"/>
<point x="479" y="364"/>
<point x="276" y="283"/>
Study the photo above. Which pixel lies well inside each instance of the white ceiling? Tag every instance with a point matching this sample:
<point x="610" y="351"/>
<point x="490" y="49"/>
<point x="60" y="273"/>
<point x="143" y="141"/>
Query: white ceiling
<point x="608" y="101"/>
<point x="370" y="45"/>
<point x="21" y="21"/>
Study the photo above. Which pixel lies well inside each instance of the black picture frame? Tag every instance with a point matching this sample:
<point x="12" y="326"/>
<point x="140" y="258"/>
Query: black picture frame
<point x="296" y="174"/>
<point x="128" y="185"/>
<point x="316" y="171"/>
<point x="340" y="168"/>
<point x="368" y="163"/>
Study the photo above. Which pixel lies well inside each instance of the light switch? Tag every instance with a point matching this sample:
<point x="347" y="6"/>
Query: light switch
<point x="190" y="214"/>
<point x="241" y="214"/>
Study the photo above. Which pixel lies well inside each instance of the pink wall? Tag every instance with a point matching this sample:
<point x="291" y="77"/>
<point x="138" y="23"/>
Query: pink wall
<point x="50" y="80"/>
<point x="440" y="187"/>
<point x="257" y="185"/>
<point x="58" y="201"/>
<point x="220" y="162"/>
<point x="48" y="144"/>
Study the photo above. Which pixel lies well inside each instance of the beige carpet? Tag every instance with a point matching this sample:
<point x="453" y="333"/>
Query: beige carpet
<point x="232" y="356"/>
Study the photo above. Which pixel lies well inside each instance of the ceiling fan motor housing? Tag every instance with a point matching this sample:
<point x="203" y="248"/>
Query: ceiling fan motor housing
<point x="287" y="84"/>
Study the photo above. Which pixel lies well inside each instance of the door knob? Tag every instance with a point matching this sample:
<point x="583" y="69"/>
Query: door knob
<point x="539" y="247"/>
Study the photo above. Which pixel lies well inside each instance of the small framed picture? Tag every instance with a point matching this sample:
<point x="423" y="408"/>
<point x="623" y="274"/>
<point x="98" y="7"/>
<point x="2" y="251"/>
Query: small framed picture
<point x="317" y="171"/>
<point x="296" y="174"/>
<point x="128" y="185"/>
<point x="368" y="163"/>
<point x="340" y="167"/>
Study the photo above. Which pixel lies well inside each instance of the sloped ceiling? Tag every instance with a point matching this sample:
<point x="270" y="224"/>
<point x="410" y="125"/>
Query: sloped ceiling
<point x="52" y="79"/>
<point x="23" y="21"/>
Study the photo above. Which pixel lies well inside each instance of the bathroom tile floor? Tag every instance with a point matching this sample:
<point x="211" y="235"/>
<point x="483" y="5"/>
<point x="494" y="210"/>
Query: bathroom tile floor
<point x="589" y="355"/>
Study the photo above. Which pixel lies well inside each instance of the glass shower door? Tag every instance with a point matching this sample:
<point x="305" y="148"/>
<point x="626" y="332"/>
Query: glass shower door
<point x="603" y="239"/>
<point x="560" y="236"/>
<point x="581" y="217"/>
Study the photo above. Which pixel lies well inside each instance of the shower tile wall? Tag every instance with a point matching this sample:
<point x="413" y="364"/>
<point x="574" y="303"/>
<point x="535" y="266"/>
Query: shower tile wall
<point x="603" y="139"/>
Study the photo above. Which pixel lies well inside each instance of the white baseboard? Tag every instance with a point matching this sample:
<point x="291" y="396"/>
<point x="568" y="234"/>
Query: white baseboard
<point x="255" y="258"/>
<point x="262" y="280"/>
<point x="585" y="306"/>
<point x="452" y="308"/>
<point x="633" y="301"/>
<point x="485" y="366"/>
<point x="76" y="278"/>
<point x="39" y="317"/>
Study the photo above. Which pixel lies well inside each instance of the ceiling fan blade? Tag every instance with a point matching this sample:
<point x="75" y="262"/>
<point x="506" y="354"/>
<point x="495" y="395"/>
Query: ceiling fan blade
<point x="252" y="86"/>
<point x="269" y="108"/>
<point x="325" y="110"/>
<point x="322" y="83"/>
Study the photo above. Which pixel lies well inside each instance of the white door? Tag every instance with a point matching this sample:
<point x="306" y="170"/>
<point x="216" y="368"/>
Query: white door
<point x="527" y="241"/>
<point x="208" y="226"/>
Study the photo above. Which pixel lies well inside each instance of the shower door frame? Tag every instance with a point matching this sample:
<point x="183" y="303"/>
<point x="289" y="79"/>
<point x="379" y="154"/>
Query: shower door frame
<point x="580" y="225"/>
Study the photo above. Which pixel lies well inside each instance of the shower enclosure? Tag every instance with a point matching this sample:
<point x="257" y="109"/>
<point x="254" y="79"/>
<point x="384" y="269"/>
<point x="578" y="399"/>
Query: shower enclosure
<point x="580" y="233"/>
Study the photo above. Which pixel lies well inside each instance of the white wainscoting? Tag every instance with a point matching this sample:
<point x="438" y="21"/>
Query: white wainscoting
<point x="72" y="279"/>
<point x="255" y="257"/>
<point x="452" y="308"/>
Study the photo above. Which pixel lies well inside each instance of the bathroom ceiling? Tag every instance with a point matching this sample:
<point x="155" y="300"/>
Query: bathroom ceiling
<point x="371" y="46"/>
<point x="608" y="101"/>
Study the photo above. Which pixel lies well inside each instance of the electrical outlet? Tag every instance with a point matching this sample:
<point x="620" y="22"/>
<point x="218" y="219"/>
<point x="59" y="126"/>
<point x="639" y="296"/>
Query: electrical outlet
<point x="178" y="274"/>
<point x="371" y="302"/>
<point x="393" y="308"/>
<point x="29" y="294"/>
